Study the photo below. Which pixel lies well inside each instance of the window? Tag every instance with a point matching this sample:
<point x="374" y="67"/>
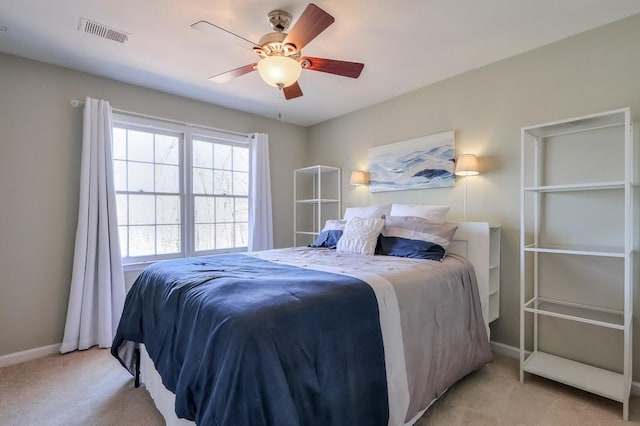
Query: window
<point x="180" y="190"/>
<point x="220" y="194"/>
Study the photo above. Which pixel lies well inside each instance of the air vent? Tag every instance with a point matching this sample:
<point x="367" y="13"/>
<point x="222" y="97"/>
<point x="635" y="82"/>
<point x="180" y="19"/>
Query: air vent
<point x="100" y="30"/>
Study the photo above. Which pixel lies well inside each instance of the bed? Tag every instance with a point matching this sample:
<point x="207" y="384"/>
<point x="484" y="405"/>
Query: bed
<point x="347" y="339"/>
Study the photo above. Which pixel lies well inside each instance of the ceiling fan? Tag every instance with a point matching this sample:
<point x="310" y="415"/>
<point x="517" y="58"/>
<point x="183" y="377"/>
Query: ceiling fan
<point x="281" y="61"/>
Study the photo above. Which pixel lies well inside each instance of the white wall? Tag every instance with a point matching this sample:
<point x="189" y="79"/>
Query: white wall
<point x="594" y="71"/>
<point x="40" y="147"/>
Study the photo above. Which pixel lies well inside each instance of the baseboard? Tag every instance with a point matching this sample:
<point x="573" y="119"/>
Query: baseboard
<point x="510" y="351"/>
<point x="513" y="352"/>
<point x="28" y="355"/>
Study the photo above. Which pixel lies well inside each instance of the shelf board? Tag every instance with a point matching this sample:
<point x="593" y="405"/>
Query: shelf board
<point x="577" y="250"/>
<point x="316" y="169"/>
<point x="618" y="184"/>
<point x="579" y="124"/>
<point x="593" y="315"/>
<point x="317" y="200"/>
<point x="582" y="376"/>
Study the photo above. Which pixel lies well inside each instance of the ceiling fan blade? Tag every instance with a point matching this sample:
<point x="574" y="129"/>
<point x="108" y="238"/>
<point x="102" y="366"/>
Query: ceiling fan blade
<point x="208" y="27"/>
<point x="293" y="91"/>
<point x="229" y="75"/>
<point x="332" y="66"/>
<point x="312" y="22"/>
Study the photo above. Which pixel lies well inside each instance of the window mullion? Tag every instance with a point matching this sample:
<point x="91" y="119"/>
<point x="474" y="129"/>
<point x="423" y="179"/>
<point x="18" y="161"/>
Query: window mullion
<point x="187" y="193"/>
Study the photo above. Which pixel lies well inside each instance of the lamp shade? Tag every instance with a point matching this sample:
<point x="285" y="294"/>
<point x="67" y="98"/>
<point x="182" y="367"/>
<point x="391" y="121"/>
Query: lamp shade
<point x="358" y="177"/>
<point x="279" y="71"/>
<point x="467" y="165"/>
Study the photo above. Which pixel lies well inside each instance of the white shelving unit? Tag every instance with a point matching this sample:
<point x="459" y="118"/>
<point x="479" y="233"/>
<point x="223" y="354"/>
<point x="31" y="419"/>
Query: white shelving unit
<point x="317" y="192"/>
<point x="577" y="212"/>
<point x="486" y="261"/>
<point x="494" y="272"/>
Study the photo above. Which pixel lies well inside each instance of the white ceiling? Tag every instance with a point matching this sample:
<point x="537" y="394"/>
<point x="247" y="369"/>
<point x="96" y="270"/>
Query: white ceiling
<point x="405" y="45"/>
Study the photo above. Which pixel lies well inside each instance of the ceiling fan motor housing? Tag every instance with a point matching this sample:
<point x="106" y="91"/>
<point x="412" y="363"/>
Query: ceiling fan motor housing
<point x="272" y="45"/>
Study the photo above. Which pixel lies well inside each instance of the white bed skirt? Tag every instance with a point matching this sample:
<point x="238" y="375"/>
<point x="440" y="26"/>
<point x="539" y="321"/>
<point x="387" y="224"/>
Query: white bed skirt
<point x="163" y="398"/>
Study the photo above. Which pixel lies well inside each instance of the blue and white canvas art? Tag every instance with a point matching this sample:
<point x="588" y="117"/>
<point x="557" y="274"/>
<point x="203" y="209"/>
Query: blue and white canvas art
<point x="425" y="162"/>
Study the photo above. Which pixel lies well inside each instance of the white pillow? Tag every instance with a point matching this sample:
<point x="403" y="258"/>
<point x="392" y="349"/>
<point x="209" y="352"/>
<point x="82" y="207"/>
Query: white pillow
<point x="370" y="212"/>
<point x="360" y="236"/>
<point x="334" y="225"/>
<point x="437" y="214"/>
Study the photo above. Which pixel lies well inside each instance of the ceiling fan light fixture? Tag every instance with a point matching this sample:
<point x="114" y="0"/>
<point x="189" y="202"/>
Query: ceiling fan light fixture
<point x="279" y="71"/>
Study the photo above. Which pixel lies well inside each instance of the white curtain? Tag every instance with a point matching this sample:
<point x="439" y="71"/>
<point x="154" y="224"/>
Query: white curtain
<point x="260" y="216"/>
<point x="97" y="282"/>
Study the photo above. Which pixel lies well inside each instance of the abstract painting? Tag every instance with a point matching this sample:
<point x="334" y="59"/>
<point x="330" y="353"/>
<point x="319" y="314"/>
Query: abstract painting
<point x="425" y="162"/>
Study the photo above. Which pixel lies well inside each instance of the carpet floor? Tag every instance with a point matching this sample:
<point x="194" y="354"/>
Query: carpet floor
<point x="91" y="388"/>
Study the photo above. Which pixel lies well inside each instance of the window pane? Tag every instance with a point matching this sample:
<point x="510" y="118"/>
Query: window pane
<point x="167" y="178"/>
<point x="168" y="239"/>
<point x="202" y="181"/>
<point x="240" y="183"/>
<point x="204" y="237"/>
<point x="224" y="209"/>
<point x="168" y="209"/>
<point x="142" y="210"/>
<point x="224" y="235"/>
<point x="242" y="234"/>
<point x="121" y="208"/>
<point x="202" y="154"/>
<point x="242" y="210"/>
<point x="140" y="177"/>
<point x="120" y="175"/>
<point x="140" y="146"/>
<point x="142" y="240"/>
<point x="222" y="182"/>
<point x="167" y="149"/>
<point x="222" y="156"/>
<point x="119" y="144"/>
<point x="124" y="242"/>
<point x="240" y="159"/>
<point x="203" y="209"/>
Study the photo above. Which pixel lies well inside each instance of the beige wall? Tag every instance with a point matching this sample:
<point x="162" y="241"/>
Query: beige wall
<point x="594" y="71"/>
<point x="40" y="146"/>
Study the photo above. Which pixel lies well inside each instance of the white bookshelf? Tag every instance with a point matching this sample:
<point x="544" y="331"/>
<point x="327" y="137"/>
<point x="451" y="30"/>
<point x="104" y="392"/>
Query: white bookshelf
<point x="576" y="210"/>
<point x="317" y="198"/>
<point x="494" y="272"/>
<point x="486" y="262"/>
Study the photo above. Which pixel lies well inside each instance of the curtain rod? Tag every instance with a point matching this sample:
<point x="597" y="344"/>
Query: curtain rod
<point x="78" y="103"/>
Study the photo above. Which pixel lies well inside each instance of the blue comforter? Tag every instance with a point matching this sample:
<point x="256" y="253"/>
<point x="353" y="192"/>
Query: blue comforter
<point x="244" y="341"/>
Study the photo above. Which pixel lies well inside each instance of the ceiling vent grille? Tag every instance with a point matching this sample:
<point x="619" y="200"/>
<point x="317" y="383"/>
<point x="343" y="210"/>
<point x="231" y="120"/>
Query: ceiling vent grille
<point x="103" y="31"/>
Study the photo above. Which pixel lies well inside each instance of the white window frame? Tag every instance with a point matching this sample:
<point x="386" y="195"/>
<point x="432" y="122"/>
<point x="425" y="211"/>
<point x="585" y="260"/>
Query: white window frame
<point x="187" y="132"/>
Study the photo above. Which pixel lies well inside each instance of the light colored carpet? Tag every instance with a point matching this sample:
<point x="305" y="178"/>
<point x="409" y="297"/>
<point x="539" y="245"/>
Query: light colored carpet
<point x="91" y="388"/>
<point x="80" y="388"/>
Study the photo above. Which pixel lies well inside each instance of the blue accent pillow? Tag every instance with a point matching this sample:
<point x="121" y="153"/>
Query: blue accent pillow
<point x="404" y="247"/>
<point x="328" y="239"/>
<point x="415" y="237"/>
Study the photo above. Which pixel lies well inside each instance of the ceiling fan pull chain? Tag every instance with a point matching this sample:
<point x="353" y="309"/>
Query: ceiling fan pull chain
<point x="281" y="105"/>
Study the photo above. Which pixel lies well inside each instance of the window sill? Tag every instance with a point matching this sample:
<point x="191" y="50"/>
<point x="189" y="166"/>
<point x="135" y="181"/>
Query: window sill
<point x="139" y="266"/>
